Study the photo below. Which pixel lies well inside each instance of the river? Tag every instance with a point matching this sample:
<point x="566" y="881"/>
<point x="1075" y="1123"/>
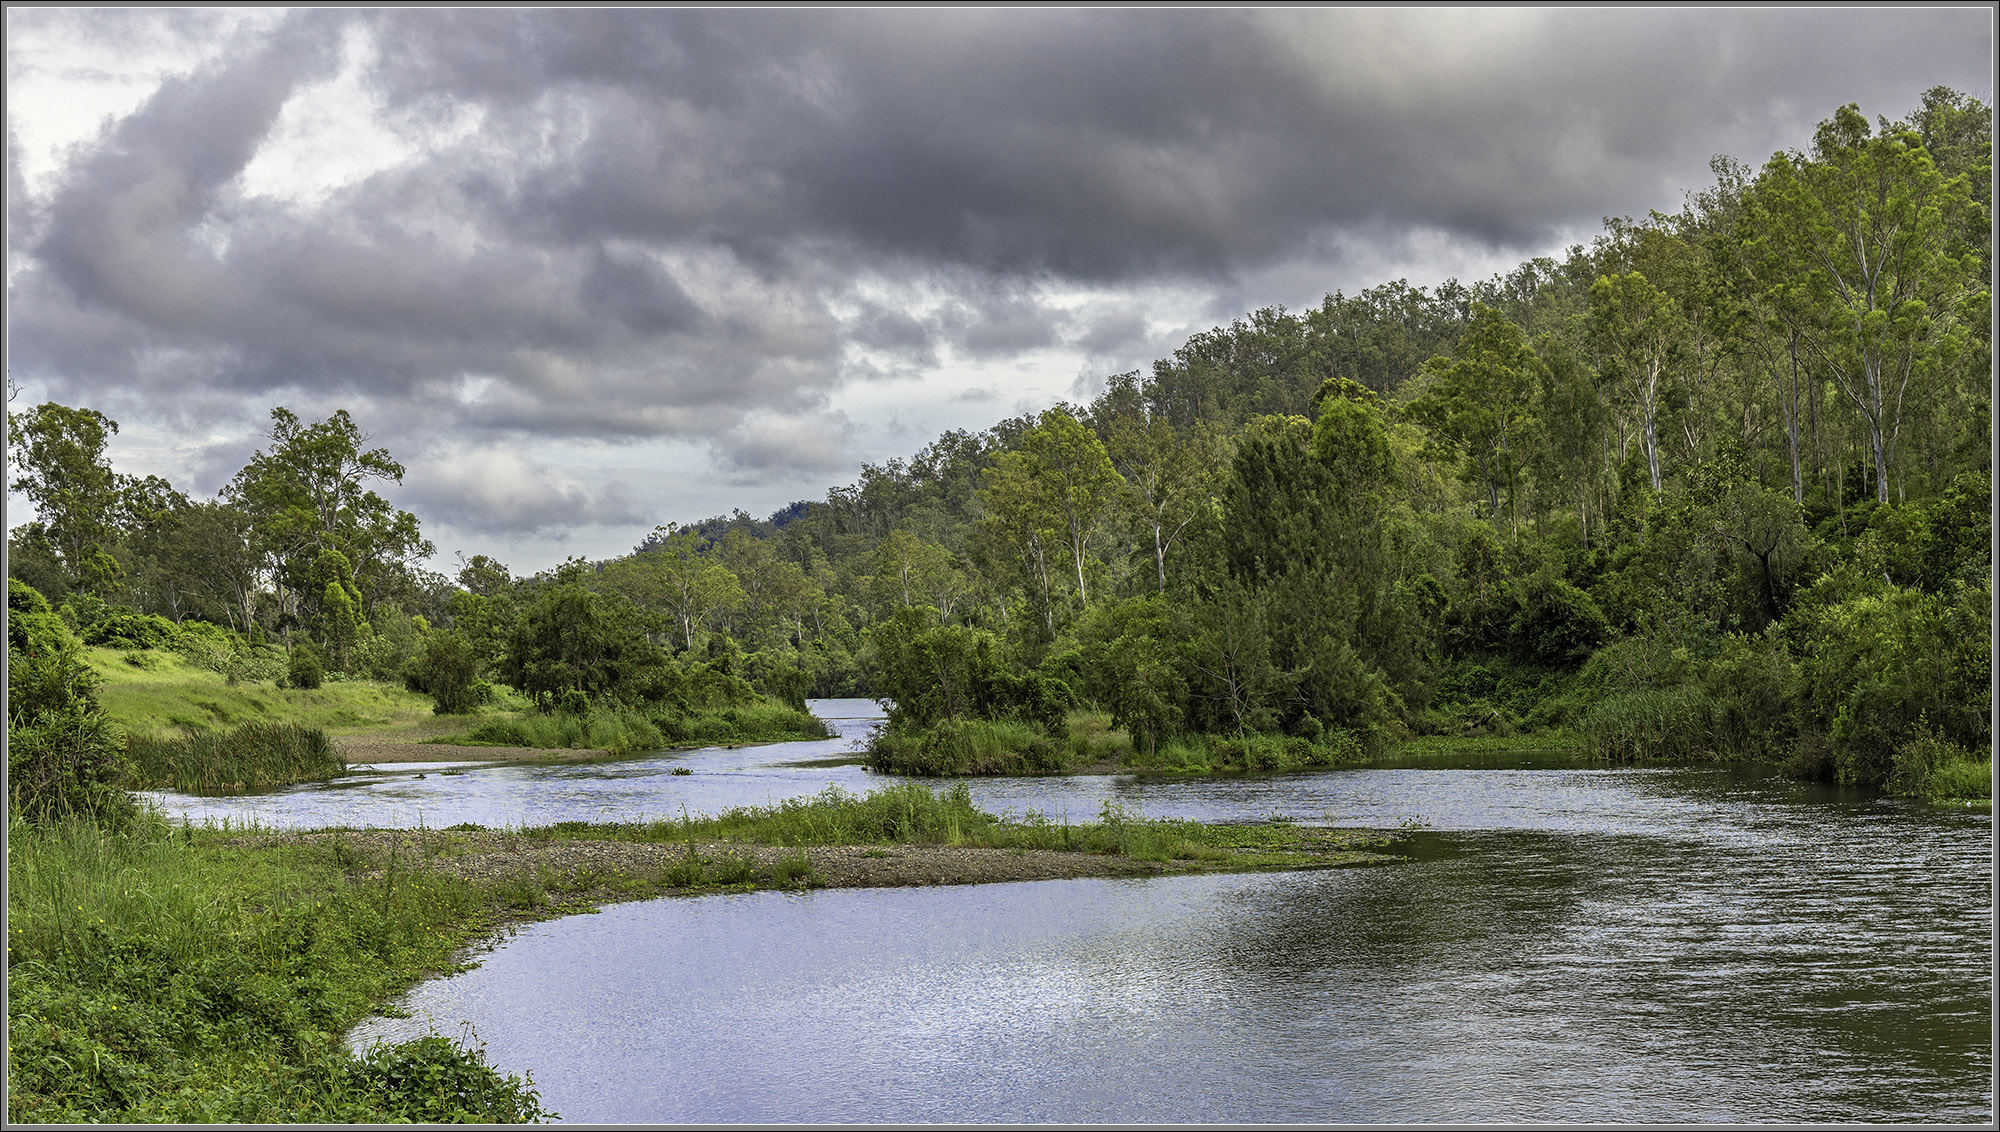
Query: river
<point x="1690" y="944"/>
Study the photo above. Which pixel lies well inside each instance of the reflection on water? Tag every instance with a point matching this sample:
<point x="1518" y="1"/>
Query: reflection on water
<point x="1564" y="944"/>
<point x="1499" y="976"/>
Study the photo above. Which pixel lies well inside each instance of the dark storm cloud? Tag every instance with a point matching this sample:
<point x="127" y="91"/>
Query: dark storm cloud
<point x="629" y="224"/>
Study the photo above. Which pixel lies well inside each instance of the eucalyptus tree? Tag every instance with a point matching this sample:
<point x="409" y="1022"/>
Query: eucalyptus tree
<point x="1638" y="329"/>
<point x="1049" y="496"/>
<point x="1169" y="471"/>
<point x="1478" y="401"/>
<point x="58" y="456"/>
<point x="309" y="493"/>
<point x="1873" y="231"/>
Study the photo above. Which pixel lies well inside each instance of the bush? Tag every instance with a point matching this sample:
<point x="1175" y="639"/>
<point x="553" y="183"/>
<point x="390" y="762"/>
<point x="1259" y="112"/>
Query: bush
<point x="307" y="668"/>
<point x="126" y="629"/>
<point x="46" y="674"/>
<point x="446" y="669"/>
<point x="68" y="765"/>
<point x="432" y="1081"/>
<point x="1928" y="765"/>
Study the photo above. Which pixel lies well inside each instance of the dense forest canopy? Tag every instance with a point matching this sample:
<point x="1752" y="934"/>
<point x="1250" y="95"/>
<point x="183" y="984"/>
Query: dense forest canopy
<point x="1718" y="481"/>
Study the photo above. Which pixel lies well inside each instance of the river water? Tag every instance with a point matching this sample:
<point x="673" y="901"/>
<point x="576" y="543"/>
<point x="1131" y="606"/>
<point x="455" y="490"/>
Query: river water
<point x="1562" y="944"/>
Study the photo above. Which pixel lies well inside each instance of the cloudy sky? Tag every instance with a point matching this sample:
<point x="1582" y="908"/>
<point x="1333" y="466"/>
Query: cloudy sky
<point x="586" y="272"/>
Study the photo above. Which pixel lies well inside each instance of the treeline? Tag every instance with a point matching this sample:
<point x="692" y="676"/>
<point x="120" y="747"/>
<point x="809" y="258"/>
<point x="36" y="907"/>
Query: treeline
<point x="1717" y="482"/>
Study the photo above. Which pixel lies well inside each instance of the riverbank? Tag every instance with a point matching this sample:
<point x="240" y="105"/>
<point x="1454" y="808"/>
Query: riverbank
<point x="579" y="868"/>
<point x="168" y="973"/>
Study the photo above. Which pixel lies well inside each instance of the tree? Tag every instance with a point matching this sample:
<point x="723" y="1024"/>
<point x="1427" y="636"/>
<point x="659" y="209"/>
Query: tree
<point x="1051" y="493"/>
<point x="1478" y="400"/>
<point x="59" y="455"/>
<point x="1638" y="327"/>
<point x="677" y="576"/>
<point x="1168" y="471"/>
<point x="1871" y="228"/>
<point x="569" y="639"/>
<point x="309" y="493"/>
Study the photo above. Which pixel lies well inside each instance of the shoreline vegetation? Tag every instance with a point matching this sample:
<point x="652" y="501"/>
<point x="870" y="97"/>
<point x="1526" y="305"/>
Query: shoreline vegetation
<point x="166" y="973"/>
<point x="190" y="729"/>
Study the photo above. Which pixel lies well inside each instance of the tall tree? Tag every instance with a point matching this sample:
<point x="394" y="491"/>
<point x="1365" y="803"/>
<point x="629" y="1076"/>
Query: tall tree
<point x="1638" y="328"/>
<point x="1052" y="492"/>
<point x="1872" y="228"/>
<point x="1478" y="400"/>
<point x="58" y="454"/>
<point x="309" y="493"/>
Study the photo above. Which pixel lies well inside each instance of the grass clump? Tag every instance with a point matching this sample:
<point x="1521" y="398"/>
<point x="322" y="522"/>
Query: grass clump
<point x="955" y="747"/>
<point x="255" y="756"/>
<point x="613" y="729"/>
<point x="1647" y="725"/>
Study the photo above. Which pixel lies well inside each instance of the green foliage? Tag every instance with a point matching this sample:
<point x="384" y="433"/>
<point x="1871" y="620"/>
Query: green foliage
<point x="24" y="598"/>
<point x="1928" y="765"/>
<point x="1555" y="625"/>
<point x="931" y="672"/>
<point x="254" y="756"/>
<point x="45" y="671"/>
<point x="307" y="497"/>
<point x="307" y="667"/>
<point x="58" y="453"/>
<point x="125" y="629"/>
<point x="570" y="639"/>
<point x="448" y="671"/>
<point x="158" y="976"/>
<point x="1875" y="664"/>
<point x="431" y="1080"/>
<point x="67" y="764"/>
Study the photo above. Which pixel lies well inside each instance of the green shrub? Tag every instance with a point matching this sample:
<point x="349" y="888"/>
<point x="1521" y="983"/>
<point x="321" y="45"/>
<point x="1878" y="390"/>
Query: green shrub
<point x="68" y="764"/>
<point x="1649" y="724"/>
<point x="46" y="673"/>
<point x="433" y="1081"/>
<point x="307" y="667"/>
<point x="446" y="669"/>
<point x="1928" y="765"/>
<point x="126" y="629"/>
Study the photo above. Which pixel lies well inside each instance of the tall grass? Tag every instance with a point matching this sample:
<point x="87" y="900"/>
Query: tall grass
<point x="956" y="747"/>
<point x="606" y="729"/>
<point x="1649" y="724"/>
<point x="914" y="814"/>
<point x="255" y="756"/>
<point x="1928" y="765"/>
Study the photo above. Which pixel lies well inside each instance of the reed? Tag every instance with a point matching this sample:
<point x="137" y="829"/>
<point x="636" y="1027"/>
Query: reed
<point x="254" y="756"/>
<point x="1650" y="724"/>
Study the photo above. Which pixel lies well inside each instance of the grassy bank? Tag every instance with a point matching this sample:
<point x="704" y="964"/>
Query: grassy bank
<point x="168" y="974"/>
<point x="1089" y="741"/>
<point x="163" y="975"/>
<point x="911" y="813"/>
<point x="159" y="691"/>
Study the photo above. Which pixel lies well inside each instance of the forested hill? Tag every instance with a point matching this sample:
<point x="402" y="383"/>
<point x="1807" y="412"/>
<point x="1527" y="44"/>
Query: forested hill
<point x="1716" y="483"/>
